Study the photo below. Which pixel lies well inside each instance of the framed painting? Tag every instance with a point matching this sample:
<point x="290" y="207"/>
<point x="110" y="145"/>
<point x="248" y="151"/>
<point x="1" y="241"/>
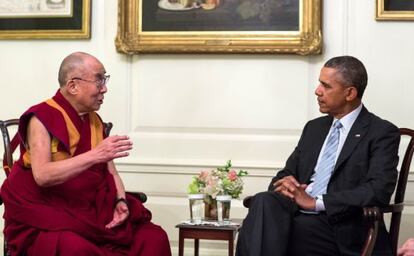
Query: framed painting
<point x="45" y="19"/>
<point x="219" y="26"/>
<point x="395" y="10"/>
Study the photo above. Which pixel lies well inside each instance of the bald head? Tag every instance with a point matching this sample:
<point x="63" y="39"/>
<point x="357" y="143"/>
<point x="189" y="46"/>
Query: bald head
<point x="72" y="64"/>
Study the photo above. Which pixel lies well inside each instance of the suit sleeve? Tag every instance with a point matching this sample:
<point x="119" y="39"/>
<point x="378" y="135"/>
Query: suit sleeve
<point x="378" y="161"/>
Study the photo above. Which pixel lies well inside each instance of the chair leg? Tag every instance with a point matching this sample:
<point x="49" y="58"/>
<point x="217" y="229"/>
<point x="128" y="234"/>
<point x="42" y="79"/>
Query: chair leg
<point x="5" y="250"/>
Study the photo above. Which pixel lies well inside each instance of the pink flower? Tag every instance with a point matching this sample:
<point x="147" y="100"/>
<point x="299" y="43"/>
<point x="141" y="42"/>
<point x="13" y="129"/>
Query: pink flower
<point x="212" y="181"/>
<point x="204" y="175"/>
<point x="232" y="175"/>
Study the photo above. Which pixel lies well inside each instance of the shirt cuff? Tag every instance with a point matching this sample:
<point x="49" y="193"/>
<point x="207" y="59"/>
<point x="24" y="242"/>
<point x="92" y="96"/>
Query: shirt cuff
<point x="319" y="205"/>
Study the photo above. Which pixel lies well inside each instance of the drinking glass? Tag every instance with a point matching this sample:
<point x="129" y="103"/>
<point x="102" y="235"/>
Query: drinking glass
<point x="196" y="207"/>
<point x="223" y="209"/>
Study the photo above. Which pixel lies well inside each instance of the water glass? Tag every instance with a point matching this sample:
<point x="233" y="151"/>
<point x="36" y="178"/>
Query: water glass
<point x="196" y="207"/>
<point x="223" y="209"/>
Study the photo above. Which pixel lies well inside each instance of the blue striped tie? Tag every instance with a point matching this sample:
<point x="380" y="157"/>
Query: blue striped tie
<point x="327" y="162"/>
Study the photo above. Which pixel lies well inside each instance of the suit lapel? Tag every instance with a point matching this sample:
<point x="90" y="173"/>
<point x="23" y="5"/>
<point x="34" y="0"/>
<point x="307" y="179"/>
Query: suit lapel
<point x="355" y="135"/>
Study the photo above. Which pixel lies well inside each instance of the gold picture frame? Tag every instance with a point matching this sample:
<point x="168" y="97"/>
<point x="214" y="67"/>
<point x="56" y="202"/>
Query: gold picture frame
<point x="49" y="24"/>
<point x="395" y="10"/>
<point x="133" y="37"/>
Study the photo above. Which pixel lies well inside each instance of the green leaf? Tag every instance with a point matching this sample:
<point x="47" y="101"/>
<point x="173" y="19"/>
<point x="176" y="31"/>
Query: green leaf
<point x="242" y="173"/>
<point x="193" y="188"/>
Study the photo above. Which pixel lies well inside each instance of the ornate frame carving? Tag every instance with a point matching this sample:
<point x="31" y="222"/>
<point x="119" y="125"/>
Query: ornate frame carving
<point x="74" y="26"/>
<point x="383" y="14"/>
<point x="131" y="39"/>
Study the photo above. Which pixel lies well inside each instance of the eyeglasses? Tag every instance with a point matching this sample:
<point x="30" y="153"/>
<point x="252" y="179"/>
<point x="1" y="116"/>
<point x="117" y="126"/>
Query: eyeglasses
<point x="99" y="82"/>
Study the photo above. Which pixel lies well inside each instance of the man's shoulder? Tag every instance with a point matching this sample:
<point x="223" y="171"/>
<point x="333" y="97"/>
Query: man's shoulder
<point x="45" y="113"/>
<point x="34" y="108"/>
<point x="378" y="119"/>
<point x="377" y="122"/>
<point x="41" y="109"/>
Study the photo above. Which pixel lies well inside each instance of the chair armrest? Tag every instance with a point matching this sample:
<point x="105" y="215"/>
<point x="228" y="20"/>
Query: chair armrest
<point x="246" y="201"/>
<point x="372" y="216"/>
<point x="141" y="196"/>
<point x="392" y="208"/>
<point x="372" y="213"/>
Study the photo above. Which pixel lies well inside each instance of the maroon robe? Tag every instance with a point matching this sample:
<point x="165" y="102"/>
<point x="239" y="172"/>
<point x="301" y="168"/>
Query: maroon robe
<point x="70" y="218"/>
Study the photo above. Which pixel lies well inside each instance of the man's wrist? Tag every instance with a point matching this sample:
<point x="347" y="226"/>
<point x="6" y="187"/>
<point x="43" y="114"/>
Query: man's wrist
<point x="120" y="199"/>
<point x="319" y="204"/>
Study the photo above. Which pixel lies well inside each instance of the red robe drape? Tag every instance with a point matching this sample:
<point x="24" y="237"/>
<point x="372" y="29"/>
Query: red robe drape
<point x="38" y="220"/>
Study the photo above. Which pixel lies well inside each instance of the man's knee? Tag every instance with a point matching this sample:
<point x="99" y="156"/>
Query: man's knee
<point x="262" y="204"/>
<point x="270" y="198"/>
<point x="154" y="234"/>
<point x="152" y="239"/>
<point x="71" y="243"/>
<point x="263" y="197"/>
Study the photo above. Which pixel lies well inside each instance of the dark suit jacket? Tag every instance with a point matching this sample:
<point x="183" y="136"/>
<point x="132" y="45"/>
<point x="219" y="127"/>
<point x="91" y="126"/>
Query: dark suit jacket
<point x="365" y="173"/>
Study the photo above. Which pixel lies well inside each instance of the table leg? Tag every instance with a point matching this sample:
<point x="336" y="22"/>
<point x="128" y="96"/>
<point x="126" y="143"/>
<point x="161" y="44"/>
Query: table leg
<point x="196" y="245"/>
<point x="180" y="244"/>
<point x="231" y="247"/>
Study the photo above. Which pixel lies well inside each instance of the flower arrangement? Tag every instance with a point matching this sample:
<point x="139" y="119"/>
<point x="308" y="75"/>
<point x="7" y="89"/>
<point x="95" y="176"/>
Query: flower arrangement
<point x="220" y="181"/>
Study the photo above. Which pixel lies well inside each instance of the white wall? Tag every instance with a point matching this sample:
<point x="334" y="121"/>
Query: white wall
<point x="186" y="113"/>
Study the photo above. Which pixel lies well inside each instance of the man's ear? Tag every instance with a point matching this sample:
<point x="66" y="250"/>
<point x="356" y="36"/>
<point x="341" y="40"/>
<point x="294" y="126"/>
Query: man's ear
<point x="352" y="93"/>
<point x="71" y="87"/>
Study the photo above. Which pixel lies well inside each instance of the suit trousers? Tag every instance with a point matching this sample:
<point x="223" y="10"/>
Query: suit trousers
<point x="275" y="227"/>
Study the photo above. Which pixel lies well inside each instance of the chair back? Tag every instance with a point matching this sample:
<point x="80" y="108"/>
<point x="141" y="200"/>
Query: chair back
<point x="107" y="128"/>
<point x="401" y="186"/>
<point x="9" y="144"/>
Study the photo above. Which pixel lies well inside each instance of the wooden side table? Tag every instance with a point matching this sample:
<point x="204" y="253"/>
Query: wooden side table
<point x="210" y="232"/>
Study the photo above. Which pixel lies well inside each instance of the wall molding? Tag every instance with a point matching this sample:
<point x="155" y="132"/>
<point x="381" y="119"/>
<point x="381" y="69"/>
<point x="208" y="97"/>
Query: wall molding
<point x="191" y="167"/>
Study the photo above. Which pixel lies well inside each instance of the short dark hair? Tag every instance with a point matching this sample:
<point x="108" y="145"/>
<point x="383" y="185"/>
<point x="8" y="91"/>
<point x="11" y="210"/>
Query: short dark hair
<point x="352" y="72"/>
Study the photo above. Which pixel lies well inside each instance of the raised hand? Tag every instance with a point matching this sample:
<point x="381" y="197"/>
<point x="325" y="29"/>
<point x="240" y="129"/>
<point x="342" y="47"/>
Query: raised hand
<point x="112" y="147"/>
